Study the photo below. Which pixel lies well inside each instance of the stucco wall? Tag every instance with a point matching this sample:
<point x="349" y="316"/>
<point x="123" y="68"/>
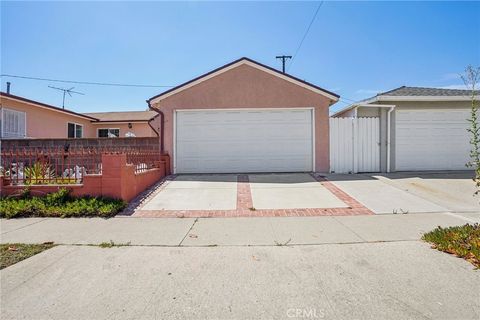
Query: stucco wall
<point x="47" y="123"/>
<point x="248" y="87"/>
<point x="42" y="122"/>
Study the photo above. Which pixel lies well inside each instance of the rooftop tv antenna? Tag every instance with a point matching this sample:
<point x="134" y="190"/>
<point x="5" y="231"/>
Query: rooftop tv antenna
<point x="69" y="91"/>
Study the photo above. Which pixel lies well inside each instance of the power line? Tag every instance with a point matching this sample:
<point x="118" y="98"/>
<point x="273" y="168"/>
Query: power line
<point x="306" y="33"/>
<point x="87" y="82"/>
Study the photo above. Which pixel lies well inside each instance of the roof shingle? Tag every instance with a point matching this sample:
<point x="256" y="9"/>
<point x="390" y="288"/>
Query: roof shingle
<point x="422" y="92"/>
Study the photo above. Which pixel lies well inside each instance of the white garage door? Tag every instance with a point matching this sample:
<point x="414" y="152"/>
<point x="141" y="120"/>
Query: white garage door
<point x="431" y="140"/>
<point x="221" y="141"/>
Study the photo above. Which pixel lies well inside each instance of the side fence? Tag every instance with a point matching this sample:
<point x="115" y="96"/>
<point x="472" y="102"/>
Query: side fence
<point x="354" y="145"/>
<point x="118" y="172"/>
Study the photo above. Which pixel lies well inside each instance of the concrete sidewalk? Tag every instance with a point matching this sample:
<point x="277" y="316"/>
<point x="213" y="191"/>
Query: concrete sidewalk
<point x="225" y="231"/>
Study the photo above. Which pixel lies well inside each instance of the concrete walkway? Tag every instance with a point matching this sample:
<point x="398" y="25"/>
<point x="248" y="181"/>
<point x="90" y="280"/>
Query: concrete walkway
<point x="225" y="231"/>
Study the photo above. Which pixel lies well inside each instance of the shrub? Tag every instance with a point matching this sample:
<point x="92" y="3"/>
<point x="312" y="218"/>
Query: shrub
<point x="462" y="241"/>
<point x="59" y="204"/>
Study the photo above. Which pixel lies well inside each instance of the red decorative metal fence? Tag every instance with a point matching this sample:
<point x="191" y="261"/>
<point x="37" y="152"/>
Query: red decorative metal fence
<point x="57" y="165"/>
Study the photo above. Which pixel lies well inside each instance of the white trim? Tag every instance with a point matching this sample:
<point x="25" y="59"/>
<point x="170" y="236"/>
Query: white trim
<point x="49" y="108"/>
<point x="237" y="64"/>
<point x="368" y="102"/>
<point x="246" y="109"/>
<point x="98" y="129"/>
<point x="312" y="113"/>
<point x="75" y="130"/>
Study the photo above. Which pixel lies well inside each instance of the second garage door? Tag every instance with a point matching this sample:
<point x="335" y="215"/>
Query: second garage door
<point x="253" y="140"/>
<point x="431" y="140"/>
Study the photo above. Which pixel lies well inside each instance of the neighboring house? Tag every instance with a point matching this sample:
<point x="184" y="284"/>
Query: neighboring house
<point x="126" y="124"/>
<point x="420" y="128"/>
<point x="245" y="117"/>
<point x="25" y="118"/>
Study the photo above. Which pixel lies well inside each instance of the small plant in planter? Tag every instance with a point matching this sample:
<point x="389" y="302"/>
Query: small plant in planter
<point x="38" y="173"/>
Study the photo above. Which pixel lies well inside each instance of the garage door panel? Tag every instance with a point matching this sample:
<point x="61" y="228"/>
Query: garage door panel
<point x="431" y="140"/>
<point x="244" y="141"/>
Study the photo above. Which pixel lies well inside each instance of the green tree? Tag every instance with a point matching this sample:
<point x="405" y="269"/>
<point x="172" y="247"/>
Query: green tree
<point x="471" y="78"/>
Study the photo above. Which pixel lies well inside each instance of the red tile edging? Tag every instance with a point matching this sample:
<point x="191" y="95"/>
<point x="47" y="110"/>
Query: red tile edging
<point x="244" y="196"/>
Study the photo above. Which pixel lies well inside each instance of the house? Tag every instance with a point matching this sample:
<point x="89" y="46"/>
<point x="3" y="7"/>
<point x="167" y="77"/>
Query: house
<point x="245" y="117"/>
<point x="420" y="128"/>
<point x="25" y="118"/>
<point x="125" y="124"/>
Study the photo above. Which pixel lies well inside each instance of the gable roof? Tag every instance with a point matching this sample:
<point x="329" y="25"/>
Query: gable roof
<point x="332" y="96"/>
<point x="123" y="116"/>
<point x="46" y="106"/>
<point x="405" y="93"/>
<point x="423" y="91"/>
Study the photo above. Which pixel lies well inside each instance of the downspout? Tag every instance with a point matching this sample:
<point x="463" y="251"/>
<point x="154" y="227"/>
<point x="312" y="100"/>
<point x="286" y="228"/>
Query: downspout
<point x="388" y="136"/>
<point x="354" y="142"/>
<point x="162" y="125"/>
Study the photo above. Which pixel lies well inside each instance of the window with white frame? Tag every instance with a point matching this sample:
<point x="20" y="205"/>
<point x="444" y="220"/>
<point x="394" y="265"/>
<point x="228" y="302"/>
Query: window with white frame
<point x="109" y="133"/>
<point x="12" y="123"/>
<point x="75" y="130"/>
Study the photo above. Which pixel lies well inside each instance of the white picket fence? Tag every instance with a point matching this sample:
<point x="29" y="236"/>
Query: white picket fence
<point x="354" y="145"/>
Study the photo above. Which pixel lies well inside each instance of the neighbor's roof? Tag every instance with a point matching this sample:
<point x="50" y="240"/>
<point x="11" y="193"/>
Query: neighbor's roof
<point x="332" y="96"/>
<point x="123" y="116"/>
<point x="422" y="91"/>
<point x="46" y="106"/>
<point x="405" y="93"/>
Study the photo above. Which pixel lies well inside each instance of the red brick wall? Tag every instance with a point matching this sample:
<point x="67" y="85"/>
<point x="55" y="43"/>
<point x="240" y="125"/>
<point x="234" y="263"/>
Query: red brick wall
<point x="118" y="180"/>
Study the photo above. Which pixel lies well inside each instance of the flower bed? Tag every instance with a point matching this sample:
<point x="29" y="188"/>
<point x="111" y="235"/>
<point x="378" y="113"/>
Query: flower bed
<point x="462" y="241"/>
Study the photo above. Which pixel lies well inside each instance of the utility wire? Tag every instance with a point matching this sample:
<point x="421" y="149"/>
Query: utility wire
<point x="305" y="35"/>
<point x="87" y="82"/>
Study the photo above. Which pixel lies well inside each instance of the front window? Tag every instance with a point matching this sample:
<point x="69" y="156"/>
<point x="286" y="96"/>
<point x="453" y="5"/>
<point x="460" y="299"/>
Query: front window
<point x="12" y="123"/>
<point x="75" y="130"/>
<point x="108" y="133"/>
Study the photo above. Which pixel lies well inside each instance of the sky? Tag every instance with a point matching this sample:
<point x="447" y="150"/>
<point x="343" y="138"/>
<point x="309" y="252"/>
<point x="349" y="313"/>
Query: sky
<point x="355" y="49"/>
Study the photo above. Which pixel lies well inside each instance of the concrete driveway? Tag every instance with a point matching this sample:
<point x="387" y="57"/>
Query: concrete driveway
<point x="413" y="192"/>
<point x="227" y="195"/>
<point x="311" y="195"/>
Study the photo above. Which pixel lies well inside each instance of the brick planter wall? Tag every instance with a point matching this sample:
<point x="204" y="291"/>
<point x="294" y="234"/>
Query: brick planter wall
<point x="118" y="180"/>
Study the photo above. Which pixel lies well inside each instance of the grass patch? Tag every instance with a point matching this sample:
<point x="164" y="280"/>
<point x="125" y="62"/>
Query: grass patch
<point x="112" y="244"/>
<point x="11" y="253"/>
<point x="58" y="204"/>
<point x="462" y="241"/>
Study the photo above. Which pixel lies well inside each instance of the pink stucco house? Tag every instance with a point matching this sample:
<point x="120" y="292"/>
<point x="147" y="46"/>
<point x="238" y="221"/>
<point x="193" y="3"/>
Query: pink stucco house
<point x="24" y="118"/>
<point x="245" y="117"/>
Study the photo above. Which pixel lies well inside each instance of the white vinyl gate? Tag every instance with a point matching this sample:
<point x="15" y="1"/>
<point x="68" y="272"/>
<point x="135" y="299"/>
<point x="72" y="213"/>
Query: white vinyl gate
<point x="354" y="145"/>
